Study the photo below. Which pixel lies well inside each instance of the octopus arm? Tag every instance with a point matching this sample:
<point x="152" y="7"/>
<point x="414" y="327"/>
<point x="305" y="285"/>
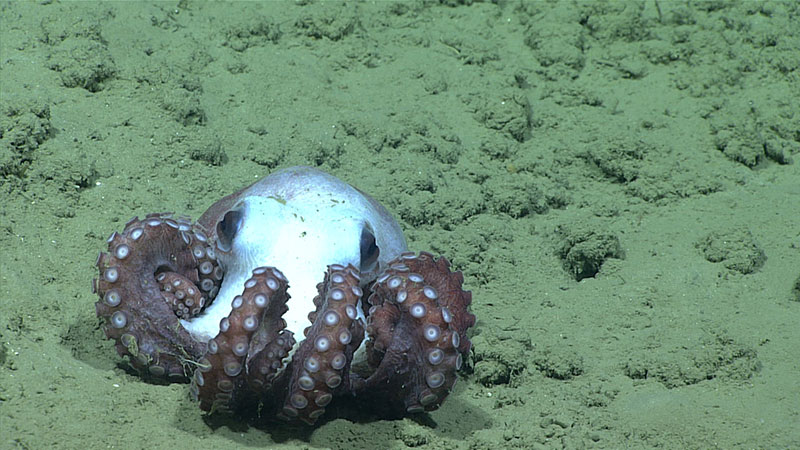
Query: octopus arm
<point x="245" y="357"/>
<point x="321" y="365"/>
<point x="417" y="325"/>
<point x="157" y="269"/>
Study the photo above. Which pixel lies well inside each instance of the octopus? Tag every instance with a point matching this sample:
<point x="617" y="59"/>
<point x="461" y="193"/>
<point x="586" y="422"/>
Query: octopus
<point x="210" y="303"/>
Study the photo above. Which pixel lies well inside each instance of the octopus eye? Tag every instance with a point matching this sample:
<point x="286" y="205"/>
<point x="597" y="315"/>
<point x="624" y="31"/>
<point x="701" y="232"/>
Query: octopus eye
<point x="227" y="229"/>
<point x="369" y="249"/>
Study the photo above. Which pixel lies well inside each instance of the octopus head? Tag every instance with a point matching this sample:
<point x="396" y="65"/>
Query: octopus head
<point x="300" y="221"/>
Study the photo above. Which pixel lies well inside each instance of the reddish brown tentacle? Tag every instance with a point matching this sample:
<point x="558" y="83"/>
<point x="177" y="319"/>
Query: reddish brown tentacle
<point x="220" y="382"/>
<point x="321" y="365"/>
<point x="132" y="304"/>
<point x="418" y="317"/>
